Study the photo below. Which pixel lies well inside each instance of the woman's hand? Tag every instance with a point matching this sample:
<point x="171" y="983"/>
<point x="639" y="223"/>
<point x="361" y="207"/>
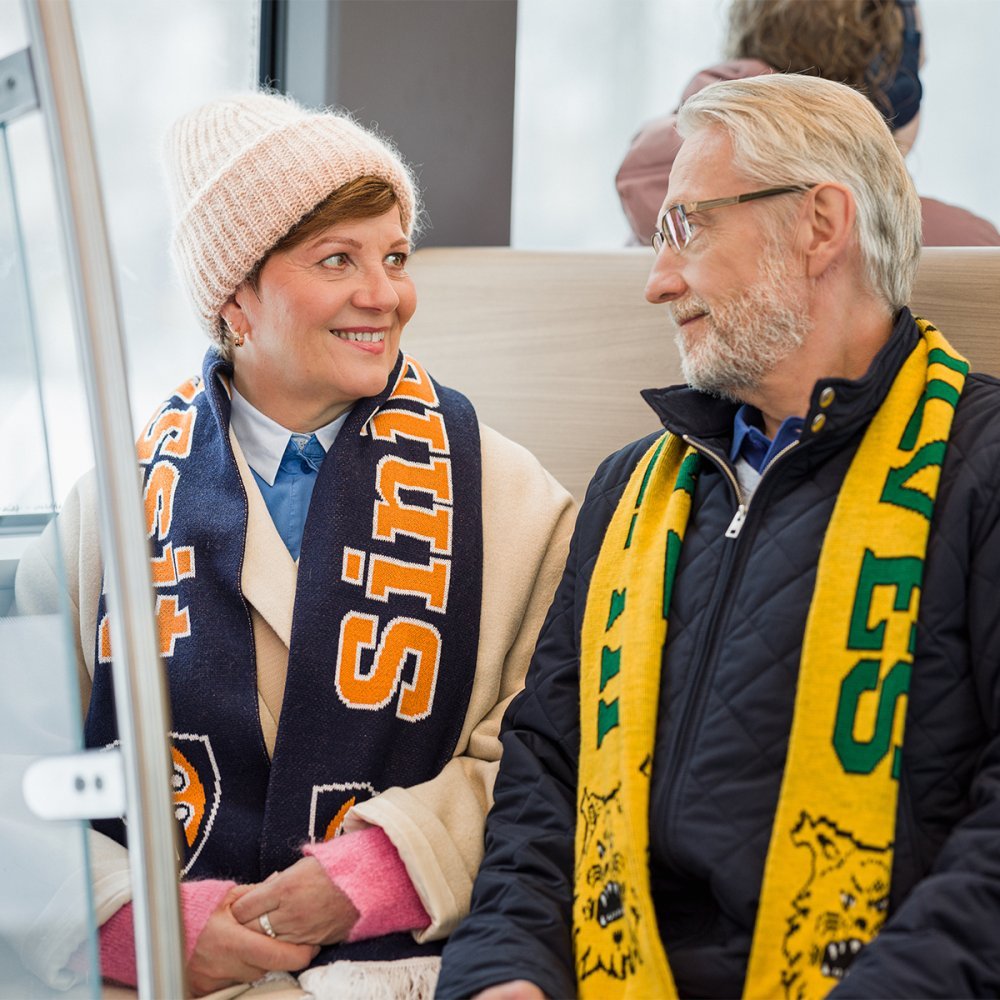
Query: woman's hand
<point x="227" y="952"/>
<point x="302" y="905"/>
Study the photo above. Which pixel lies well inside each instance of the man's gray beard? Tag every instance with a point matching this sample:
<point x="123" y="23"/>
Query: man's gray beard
<point x="746" y="337"/>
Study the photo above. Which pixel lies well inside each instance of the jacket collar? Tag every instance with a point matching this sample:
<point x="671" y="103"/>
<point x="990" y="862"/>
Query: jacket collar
<point x="685" y="411"/>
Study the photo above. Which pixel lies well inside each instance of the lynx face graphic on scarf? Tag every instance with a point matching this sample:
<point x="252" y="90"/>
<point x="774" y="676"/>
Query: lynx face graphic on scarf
<point x="840" y="908"/>
<point x="608" y="891"/>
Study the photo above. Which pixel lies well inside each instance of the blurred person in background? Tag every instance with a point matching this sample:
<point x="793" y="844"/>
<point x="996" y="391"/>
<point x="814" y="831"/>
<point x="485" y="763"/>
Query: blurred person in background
<point x="872" y="45"/>
<point x="350" y="574"/>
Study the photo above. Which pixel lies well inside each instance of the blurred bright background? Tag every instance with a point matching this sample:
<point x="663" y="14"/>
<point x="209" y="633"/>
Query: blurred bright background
<point x="588" y="74"/>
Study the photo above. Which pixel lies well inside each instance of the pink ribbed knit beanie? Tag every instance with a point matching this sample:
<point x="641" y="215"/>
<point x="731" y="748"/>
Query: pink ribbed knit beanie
<point x="242" y="171"/>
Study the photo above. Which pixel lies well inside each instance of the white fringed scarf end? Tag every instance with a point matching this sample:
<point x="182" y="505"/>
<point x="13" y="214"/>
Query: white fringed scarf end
<point x="406" y="979"/>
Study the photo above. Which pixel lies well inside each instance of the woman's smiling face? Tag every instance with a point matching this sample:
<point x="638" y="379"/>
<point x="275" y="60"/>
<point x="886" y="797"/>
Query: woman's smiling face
<point x="322" y="322"/>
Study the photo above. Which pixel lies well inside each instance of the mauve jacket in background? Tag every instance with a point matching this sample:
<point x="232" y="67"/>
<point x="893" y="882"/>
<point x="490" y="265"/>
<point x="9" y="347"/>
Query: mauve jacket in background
<point x="642" y="177"/>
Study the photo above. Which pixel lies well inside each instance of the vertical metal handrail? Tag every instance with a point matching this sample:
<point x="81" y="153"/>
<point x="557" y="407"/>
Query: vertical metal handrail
<point x="140" y="688"/>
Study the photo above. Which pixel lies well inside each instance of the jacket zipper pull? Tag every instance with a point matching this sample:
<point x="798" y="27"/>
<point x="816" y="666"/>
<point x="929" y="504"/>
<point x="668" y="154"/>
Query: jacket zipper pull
<point x="736" y="524"/>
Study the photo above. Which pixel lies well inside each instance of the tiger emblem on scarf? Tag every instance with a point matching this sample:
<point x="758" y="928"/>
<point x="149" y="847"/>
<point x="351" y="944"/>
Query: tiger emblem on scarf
<point x="196" y="789"/>
<point x="841" y="907"/>
<point x="608" y="893"/>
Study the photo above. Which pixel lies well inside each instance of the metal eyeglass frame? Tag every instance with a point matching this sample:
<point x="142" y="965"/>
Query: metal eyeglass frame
<point x="675" y="229"/>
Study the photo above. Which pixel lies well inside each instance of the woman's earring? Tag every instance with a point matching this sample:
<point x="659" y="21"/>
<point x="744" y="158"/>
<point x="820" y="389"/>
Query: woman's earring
<point x="238" y="337"/>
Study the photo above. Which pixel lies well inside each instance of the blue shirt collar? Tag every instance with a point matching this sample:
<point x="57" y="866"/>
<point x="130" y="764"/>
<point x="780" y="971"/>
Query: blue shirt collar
<point x="753" y="445"/>
<point x="264" y="440"/>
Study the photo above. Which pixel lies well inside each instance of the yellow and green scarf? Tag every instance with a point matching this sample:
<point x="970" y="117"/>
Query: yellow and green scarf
<point x="849" y="705"/>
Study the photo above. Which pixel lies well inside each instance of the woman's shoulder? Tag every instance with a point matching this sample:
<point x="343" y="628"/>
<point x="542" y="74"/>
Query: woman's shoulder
<point x="512" y="470"/>
<point x="79" y="512"/>
<point x="497" y="449"/>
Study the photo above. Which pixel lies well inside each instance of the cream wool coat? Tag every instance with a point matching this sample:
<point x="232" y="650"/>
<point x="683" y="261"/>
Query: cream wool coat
<point x="437" y="826"/>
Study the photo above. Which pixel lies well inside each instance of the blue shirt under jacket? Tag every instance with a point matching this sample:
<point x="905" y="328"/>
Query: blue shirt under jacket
<point x="284" y="465"/>
<point x="753" y="445"/>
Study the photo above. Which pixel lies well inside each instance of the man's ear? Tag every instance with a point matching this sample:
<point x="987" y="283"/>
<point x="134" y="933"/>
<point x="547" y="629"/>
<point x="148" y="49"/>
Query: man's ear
<point x="828" y="226"/>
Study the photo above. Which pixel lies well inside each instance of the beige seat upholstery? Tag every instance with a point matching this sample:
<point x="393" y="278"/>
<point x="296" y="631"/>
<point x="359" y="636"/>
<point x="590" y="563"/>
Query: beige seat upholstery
<point x="553" y="347"/>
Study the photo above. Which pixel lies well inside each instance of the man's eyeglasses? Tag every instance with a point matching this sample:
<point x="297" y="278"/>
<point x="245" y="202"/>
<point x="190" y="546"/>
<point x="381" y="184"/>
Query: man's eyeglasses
<point x="676" y="229"/>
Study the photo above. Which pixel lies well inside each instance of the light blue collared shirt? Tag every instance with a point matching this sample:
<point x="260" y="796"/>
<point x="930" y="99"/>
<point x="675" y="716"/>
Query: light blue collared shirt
<point x="284" y="464"/>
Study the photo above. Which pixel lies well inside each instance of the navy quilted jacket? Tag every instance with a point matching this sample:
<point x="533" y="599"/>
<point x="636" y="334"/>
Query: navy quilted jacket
<point x="736" y="625"/>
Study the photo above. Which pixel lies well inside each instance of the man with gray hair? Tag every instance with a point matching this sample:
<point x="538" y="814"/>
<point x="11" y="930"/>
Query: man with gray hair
<point x="759" y="748"/>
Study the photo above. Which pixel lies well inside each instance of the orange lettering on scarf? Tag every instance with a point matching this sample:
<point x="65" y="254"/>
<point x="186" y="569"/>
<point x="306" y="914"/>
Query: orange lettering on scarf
<point x="392" y="515"/>
<point x="171" y="566"/>
<point x="164" y="573"/>
<point x="189" y="388"/>
<point x="171" y="427"/>
<point x="184" y="561"/>
<point x="400" y="638"/>
<point x="158" y="498"/>
<point x="174" y="623"/>
<point x="357" y="632"/>
<point x="416" y="384"/>
<point x="403" y="636"/>
<point x="104" y="641"/>
<point x="395" y="576"/>
<point x="390" y="425"/>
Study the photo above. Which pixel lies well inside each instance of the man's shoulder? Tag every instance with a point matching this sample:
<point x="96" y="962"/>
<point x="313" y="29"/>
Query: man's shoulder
<point x="514" y="478"/>
<point x="972" y="462"/>
<point x="983" y="385"/>
<point x="977" y="418"/>
<point x="613" y="474"/>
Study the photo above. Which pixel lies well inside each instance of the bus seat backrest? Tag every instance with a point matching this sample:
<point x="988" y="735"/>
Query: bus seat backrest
<point x="553" y="346"/>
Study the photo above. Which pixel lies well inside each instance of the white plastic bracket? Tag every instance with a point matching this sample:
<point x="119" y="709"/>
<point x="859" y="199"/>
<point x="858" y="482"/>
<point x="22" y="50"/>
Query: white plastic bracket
<point x="86" y="785"/>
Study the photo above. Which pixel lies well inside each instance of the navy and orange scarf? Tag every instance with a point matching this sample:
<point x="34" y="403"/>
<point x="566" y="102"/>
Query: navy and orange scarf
<point x="385" y="624"/>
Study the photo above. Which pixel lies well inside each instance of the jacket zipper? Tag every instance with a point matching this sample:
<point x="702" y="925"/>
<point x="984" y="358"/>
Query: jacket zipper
<point x="736" y="524"/>
<point x="690" y="717"/>
<point x="743" y="505"/>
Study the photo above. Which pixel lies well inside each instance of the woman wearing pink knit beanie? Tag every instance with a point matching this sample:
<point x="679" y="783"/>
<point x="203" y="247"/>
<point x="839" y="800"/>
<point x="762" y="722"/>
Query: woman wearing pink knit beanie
<point x="350" y="572"/>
